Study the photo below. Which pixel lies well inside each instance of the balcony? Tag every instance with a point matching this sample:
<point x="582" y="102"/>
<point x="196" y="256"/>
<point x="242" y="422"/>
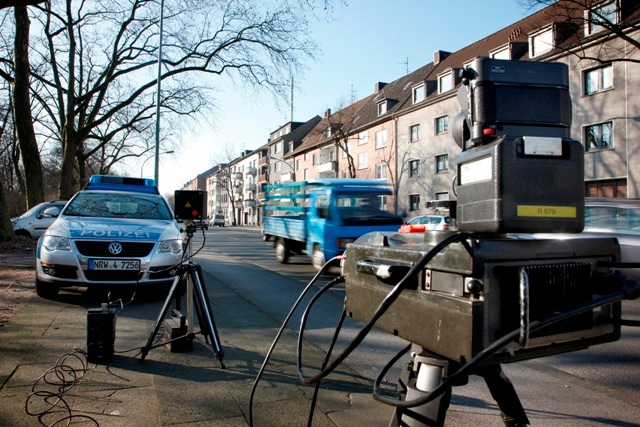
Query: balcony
<point x="250" y="186"/>
<point x="331" y="166"/>
<point x="263" y="178"/>
<point x="250" y="171"/>
<point x="249" y="196"/>
<point x="237" y="175"/>
<point x="237" y="197"/>
<point x="249" y="203"/>
<point x="288" y="177"/>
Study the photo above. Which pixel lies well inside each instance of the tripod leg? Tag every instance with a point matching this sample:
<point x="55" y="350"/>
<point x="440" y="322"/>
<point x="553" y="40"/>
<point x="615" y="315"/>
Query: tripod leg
<point x="202" y="299"/>
<point x="505" y="395"/>
<point x="161" y="315"/>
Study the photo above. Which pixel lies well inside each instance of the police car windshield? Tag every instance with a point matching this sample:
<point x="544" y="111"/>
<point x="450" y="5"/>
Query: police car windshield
<point x="106" y="204"/>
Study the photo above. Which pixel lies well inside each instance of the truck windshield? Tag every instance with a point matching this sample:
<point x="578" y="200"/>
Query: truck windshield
<point x="359" y="209"/>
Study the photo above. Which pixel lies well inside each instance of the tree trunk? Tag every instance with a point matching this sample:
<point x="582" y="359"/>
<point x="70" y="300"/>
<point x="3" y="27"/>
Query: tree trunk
<point x="6" y="230"/>
<point x="22" y="111"/>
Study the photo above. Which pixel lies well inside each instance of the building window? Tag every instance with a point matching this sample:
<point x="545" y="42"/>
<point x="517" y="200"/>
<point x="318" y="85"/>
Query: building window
<point x="598" y="137"/>
<point x="305" y="174"/>
<point x="414" y="133"/>
<point x="345" y="174"/>
<point x="363" y="138"/>
<point x="414" y="168"/>
<point x="607" y="12"/>
<point x="383" y="203"/>
<point x="541" y="42"/>
<point x="362" y="161"/>
<point x="381" y="171"/>
<point x="327" y="132"/>
<point x="277" y="167"/>
<point x="442" y="125"/>
<point x="598" y="79"/>
<point x="381" y="138"/>
<point x="445" y="82"/>
<point x="290" y="146"/>
<point x="382" y="108"/>
<point x="442" y="196"/>
<point x="314" y="159"/>
<point x="414" y="202"/>
<point x="442" y="163"/>
<point x="298" y="164"/>
<point x="418" y="93"/>
<point x="278" y="147"/>
<point x="501" y="53"/>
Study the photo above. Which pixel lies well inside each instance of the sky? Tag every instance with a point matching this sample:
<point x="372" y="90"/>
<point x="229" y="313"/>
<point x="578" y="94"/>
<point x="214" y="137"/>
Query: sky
<point x="367" y="41"/>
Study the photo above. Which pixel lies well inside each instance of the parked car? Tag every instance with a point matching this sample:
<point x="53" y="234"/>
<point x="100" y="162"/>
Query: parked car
<point x="36" y="220"/>
<point x="116" y="231"/>
<point x="203" y="223"/>
<point x="603" y="217"/>
<point x="426" y="223"/>
<point x="218" y="220"/>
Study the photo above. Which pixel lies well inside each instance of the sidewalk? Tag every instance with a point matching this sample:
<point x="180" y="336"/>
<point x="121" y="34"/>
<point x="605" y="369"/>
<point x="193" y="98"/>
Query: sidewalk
<point x="191" y="389"/>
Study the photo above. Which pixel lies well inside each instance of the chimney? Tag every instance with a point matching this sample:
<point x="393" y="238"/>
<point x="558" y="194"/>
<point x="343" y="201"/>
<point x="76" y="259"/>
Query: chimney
<point x="327" y="113"/>
<point x="439" y="56"/>
<point x="378" y="87"/>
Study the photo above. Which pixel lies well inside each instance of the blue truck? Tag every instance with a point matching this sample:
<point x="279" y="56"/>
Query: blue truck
<point x="320" y="217"/>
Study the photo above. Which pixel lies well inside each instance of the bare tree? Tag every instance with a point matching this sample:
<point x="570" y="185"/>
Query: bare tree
<point x="584" y="22"/>
<point x="97" y="61"/>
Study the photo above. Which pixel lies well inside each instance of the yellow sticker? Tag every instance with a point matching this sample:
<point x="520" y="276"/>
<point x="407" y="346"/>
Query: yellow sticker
<point x="547" y="211"/>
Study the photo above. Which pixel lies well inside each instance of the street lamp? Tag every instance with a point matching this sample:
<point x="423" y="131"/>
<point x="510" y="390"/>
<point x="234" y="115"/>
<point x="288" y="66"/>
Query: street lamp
<point x="157" y="168"/>
<point x="149" y="158"/>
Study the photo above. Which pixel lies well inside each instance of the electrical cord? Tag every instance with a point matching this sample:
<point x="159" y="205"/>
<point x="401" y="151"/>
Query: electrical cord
<point x="330" y="263"/>
<point x="385" y="304"/>
<point x="45" y="404"/>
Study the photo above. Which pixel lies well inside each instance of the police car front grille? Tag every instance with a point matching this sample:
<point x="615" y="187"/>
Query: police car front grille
<point x="101" y="248"/>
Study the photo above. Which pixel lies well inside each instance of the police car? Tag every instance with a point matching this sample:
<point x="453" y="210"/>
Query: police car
<point x="116" y="231"/>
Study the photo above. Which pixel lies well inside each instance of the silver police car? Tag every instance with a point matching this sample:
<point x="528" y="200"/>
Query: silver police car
<point x="116" y="231"/>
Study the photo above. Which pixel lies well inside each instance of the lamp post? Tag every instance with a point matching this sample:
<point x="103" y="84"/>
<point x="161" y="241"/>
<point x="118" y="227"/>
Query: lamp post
<point x="149" y="158"/>
<point x="157" y="168"/>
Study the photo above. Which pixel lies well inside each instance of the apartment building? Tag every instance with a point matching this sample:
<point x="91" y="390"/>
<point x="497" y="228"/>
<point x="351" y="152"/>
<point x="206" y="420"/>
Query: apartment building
<point x="403" y="131"/>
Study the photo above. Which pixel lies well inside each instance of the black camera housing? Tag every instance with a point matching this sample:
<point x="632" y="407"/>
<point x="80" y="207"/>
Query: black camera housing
<point x="189" y="204"/>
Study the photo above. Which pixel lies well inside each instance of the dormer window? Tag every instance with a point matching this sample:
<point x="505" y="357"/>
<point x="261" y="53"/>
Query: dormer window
<point x="599" y="16"/>
<point x="382" y="107"/>
<point x="445" y="82"/>
<point x="541" y="42"/>
<point x="501" y="53"/>
<point x="418" y="93"/>
<point x="327" y="132"/>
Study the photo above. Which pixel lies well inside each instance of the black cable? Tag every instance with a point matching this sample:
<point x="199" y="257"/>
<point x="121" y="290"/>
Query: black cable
<point x="324" y="364"/>
<point x="303" y="324"/>
<point x="328" y="264"/>
<point x="62" y="377"/>
<point x="387" y="301"/>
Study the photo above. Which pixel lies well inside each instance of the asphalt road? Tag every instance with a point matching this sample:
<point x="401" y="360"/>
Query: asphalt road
<point x="609" y="371"/>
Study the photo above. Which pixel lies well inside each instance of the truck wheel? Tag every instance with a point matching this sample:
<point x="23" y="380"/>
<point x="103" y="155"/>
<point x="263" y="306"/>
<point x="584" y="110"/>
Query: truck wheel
<point x="266" y="237"/>
<point x="282" y="254"/>
<point x="46" y="290"/>
<point x="317" y="258"/>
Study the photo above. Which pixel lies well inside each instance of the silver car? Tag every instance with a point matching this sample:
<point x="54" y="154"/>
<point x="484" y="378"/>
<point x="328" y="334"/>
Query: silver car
<point x="34" y="222"/>
<point x="608" y="217"/>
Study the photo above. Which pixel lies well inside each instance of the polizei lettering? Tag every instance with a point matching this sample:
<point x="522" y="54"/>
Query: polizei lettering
<point x="115" y="234"/>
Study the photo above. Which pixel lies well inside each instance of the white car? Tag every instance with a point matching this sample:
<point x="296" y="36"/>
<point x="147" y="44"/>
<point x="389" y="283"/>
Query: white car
<point x="116" y="231"/>
<point x="35" y="221"/>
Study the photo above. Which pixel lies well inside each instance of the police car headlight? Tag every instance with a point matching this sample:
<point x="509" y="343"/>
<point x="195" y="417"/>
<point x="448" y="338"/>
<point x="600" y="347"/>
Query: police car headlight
<point x="173" y="246"/>
<point x="55" y="243"/>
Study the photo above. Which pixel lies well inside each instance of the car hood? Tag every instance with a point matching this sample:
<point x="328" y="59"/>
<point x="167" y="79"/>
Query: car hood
<point x="116" y="228"/>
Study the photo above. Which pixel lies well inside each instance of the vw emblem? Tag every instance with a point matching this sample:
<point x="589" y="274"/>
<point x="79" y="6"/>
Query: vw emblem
<point x="115" y="248"/>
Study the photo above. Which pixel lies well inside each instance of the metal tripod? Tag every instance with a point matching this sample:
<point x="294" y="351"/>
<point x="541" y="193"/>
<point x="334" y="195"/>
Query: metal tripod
<point x="197" y="289"/>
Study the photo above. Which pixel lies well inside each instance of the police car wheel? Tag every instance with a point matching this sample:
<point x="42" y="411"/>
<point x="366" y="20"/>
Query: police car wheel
<point x="46" y="290"/>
